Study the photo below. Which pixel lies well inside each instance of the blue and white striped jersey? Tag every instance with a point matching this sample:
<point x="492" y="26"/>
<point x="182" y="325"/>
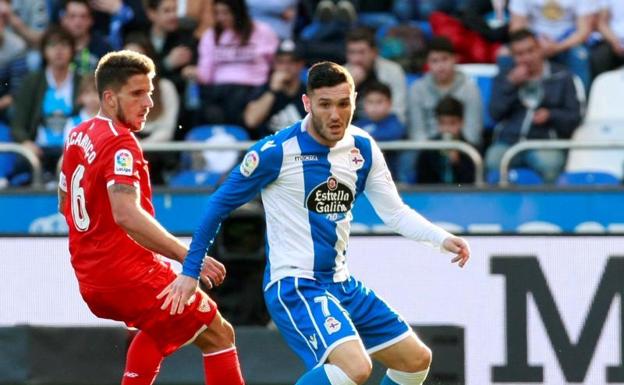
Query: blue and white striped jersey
<point x="308" y="190"/>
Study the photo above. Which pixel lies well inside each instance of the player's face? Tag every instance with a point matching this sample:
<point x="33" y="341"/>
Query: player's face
<point x="133" y="102"/>
<point x="331" y="110"/>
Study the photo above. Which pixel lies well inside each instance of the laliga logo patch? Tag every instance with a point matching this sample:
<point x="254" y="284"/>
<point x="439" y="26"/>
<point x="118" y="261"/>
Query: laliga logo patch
<point x="123" y="162"/>
<point x="250" y="163"/>
<point x="332" y="325"/>
<point x="356" y="160"/>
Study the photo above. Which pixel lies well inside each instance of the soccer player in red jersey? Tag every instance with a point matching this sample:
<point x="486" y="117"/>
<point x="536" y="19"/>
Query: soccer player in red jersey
<point x="115" y="242"/>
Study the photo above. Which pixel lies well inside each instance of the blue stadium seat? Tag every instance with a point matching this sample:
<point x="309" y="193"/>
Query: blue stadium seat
<point x="7" y="160"/>
<point x="518" y="176"/>
<point x="217" y="163"/>
<point x="483" y="75"/>
<point x="570" y="178"/>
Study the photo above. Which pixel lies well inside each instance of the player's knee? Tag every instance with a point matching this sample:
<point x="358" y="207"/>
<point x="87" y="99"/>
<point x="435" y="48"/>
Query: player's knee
<point x="218" y="336"/>
<point x="359" y="370"/>
<point x="420" y="361"/>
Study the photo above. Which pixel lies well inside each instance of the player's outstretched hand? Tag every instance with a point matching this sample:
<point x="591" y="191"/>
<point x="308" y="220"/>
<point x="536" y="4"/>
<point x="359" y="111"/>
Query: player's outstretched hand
<point x="178" y="293"/>
<point x="213" y="272"/>
<point x="459" y="247"/>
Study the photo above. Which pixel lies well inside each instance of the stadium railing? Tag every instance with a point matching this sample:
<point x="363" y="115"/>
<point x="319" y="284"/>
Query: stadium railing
<point x="35" y="164"/>
<point x="558" y="144"/>
<point x="398" y="145"/>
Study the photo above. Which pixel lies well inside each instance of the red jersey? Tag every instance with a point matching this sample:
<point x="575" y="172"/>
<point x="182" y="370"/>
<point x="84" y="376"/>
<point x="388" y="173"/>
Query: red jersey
<point x="97" y="155"/>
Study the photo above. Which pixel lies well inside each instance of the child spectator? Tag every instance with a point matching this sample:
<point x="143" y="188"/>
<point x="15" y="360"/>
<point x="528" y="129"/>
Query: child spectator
<point x="444" y="79"/>
<point x="447" y="166"/>
<point x="380" y="121"/>
<point x="88" y="101"/>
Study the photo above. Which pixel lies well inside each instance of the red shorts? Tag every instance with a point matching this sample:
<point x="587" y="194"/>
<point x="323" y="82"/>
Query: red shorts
<point x="138" y="307"/>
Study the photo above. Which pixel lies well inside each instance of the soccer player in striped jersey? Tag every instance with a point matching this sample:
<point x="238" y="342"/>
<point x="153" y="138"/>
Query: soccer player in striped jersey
<point x="309" y="175"/>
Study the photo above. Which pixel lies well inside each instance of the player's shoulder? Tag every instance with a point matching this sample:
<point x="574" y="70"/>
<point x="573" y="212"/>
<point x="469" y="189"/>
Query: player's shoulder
<point x="271" y="145"/>
<point x="359" y="133"/>
<point x="268" y="152"/>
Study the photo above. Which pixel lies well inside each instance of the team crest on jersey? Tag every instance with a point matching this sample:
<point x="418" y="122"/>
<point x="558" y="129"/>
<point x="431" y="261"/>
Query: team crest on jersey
<point x="330" y="197"/>
<point x="250" y="163"/>
<point x="332" y="325"/>
<point x="123" y="162"/>
<point x="356" y="160"/>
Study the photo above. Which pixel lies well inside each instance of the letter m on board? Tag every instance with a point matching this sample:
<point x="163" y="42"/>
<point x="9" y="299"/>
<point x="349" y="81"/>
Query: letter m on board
<point x="524" y="276"/>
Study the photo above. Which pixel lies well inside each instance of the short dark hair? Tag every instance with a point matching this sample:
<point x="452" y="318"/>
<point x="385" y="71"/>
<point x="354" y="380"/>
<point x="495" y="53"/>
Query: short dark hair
<point x="115" y="68"/>
<point x="57" y="34"/>
<point x="449" y="106"/>
<point x="83" y="2"/>
<point x="378" y="87"/>
<point x="440" y="44"/>
<point x="521" y="34"/>
<point x="327" y="74"/>
<point x="362" y="34"/>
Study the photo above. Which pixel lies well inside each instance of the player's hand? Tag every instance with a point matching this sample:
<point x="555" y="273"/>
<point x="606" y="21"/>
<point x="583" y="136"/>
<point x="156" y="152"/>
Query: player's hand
<point x="459" y="247"/>
<point x="213" y="273"/>
<point x="178" y="293"/>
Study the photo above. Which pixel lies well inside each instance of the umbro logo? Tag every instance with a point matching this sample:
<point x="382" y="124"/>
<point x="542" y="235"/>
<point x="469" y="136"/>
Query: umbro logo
<point x="313" y="341"/>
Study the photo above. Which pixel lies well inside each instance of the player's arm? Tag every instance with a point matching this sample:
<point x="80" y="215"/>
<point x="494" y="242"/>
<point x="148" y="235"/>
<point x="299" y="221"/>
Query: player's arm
<point x="140" y="225"/>
<point x="259" y="167"/>
<point x="383" y="195"/>
<point x="62" y="193"/>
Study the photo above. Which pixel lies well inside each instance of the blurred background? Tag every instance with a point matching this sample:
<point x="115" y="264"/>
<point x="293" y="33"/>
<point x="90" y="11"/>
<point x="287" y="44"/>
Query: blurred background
<point x="500" y="120"/>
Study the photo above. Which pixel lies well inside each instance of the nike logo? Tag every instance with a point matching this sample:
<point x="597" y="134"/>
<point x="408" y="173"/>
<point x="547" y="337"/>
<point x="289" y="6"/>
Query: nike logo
<point x="267" y="145"/>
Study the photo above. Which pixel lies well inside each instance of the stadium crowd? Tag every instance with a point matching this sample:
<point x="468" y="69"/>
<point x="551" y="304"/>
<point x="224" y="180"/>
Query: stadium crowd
<point x="242" y="63"/>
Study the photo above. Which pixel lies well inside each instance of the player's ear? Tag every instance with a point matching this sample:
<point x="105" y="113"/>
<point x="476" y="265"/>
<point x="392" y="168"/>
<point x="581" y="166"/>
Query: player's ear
<point x="109" y="99"/>
<point x="306" y="103"/>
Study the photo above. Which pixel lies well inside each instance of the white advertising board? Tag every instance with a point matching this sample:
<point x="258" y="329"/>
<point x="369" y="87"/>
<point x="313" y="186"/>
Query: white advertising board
<point x="534" y="309"/>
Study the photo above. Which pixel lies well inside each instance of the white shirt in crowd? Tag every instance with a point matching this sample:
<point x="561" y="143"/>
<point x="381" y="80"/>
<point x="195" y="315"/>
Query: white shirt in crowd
<point x="554" y="19"/>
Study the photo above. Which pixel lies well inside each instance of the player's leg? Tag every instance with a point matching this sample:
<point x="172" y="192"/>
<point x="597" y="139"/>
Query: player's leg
<point x="407" y="361"/>
<point x="319" y="331"/>
<point x="348" y="364"/>
<point x="386" y="336"/>
<point x="221" y="365"/>
<point x="142" y="361"/>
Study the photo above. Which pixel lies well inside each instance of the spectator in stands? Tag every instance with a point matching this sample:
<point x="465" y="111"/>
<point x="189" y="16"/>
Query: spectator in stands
<point x="425" y="8"/>
<point x="488" y="18"/>
<point x="444" y="79"/>
<point x="280" y="15"/>
<point x="116" y="18"/>
<point x="278" y="103"/>
<point x="376" y="13"/>
<point x="324" y="36"/>
<point x="234" y="58"/>
<point x="447" y="166"/>
<point x="536" y="99"/>
<point x="12" y="65"/>
<point x="163" y="117"/>
<point x="562" y="27"/>
<point x="28" y="19"/>
<point x="76" y="17"/>
<point x="174" y="48"/>
<point x="380" y="121"/>
<point x="609" y="54"/>
<point x="47" y="99"/>
<point x="366" y="67"/>
<point x="87" y="100"/>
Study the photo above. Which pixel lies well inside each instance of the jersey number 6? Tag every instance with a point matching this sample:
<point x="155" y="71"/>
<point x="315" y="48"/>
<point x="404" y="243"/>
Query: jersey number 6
<point x="78" y="202"/>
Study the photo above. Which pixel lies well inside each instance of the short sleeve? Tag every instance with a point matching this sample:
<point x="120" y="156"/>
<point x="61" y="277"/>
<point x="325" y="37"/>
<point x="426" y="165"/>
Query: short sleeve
<point x="520" y="7"/>
<point x="121" y="163"/>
